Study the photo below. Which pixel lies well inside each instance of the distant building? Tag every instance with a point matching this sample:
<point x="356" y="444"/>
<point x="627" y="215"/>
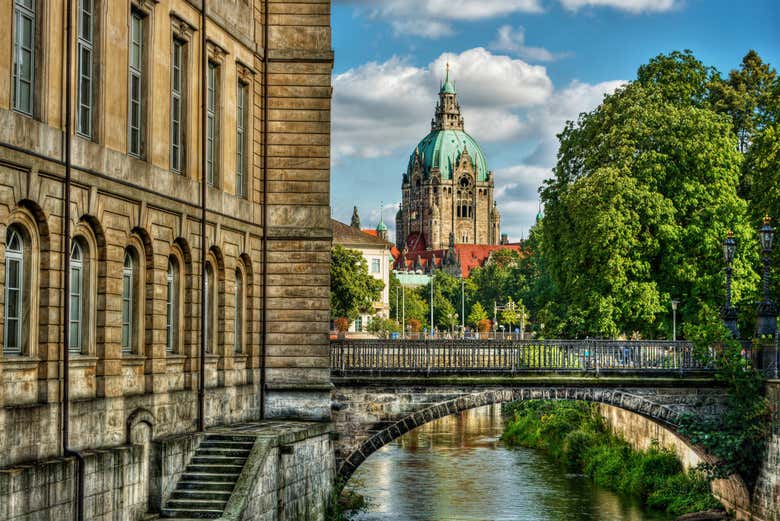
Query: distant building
<point x="379" y="257"/>
<point x="447" y="187"/>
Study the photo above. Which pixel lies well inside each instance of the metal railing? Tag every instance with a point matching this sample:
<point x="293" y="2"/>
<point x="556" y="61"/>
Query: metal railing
<point x="510" y="357"/>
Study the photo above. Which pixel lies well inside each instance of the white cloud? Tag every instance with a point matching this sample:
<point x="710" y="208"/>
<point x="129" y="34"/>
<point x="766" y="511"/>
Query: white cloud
<point x="431" y="18"/>
<point x="517" y="186"/>
<point x="512" y="40"/>
<point x="633" y="6"/>
<point x="383" y="109"/>
<point x="379" y="108"/>
<point x="546" y="121"/>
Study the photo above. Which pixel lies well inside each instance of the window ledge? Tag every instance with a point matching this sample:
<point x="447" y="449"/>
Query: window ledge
<point x="133" y="359"/>
<point x="19" y="362"/>
<point x="78" y="360"/>
<point x="174" y="358"/>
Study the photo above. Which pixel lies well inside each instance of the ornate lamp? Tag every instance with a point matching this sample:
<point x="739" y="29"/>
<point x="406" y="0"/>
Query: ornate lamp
<point x="766" y="324"/>
<point x="729" y="313"/>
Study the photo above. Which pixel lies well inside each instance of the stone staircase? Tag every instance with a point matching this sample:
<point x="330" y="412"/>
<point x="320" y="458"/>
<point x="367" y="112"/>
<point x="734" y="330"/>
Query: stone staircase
<point x="209" y="479"/>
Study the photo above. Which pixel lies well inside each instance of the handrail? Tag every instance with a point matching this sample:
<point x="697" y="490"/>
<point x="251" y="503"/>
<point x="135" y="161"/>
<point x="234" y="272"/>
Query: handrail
<point x="427" y="357"/>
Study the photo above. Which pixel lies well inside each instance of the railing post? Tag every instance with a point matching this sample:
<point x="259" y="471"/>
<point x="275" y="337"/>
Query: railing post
<point x="595" y="347"/>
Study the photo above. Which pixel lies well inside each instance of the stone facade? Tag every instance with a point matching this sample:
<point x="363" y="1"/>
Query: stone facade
<point x="134" y="375"/>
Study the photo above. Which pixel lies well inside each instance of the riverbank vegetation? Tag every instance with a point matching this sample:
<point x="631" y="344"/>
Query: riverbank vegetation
<point x="574" y="435"/>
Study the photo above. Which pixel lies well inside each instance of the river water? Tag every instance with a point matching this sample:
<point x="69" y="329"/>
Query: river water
<point x="456" y="469"/>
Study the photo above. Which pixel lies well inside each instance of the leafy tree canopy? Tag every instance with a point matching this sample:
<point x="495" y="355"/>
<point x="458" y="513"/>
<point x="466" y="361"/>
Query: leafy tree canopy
<point x="352" y="290"/>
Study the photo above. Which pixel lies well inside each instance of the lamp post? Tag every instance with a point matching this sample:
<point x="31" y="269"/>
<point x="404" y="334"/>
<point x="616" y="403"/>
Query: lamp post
<point x="674" y="319"/>
<point x="766" y="325"/>
<point x="462" y="303"/>
<point x="431" y="305"/>
<point x="729" y="313"/>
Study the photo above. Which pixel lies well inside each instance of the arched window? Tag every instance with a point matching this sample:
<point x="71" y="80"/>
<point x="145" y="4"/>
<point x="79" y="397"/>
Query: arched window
<point x="128" y="286"/>
<point x="76" y="344"/>
<point x="208" y="295"/>
<point x="171" y="305"/>
<point x="238" y="323"/>
<point x="14" y="292"/>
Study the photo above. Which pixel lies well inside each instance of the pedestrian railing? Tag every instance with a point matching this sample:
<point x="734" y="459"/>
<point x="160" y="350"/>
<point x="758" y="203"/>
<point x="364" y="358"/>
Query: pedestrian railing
<point x="434" y="357"/>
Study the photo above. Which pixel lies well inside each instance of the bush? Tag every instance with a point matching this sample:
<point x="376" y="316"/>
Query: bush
<point x="574" y="434"/>
<point x="342" y="324"/>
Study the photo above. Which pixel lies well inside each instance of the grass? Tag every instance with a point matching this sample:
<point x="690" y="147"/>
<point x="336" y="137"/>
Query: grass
<point x="574" y="435"/>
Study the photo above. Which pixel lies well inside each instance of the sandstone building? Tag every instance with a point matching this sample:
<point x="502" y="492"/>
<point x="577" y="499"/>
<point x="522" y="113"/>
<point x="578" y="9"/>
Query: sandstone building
<point x="150" y="118"/>
<point x="447" y="187"/>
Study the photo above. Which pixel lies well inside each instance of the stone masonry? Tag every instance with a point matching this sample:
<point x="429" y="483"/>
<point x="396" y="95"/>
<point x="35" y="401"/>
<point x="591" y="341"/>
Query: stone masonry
<point x="134" y="376"/>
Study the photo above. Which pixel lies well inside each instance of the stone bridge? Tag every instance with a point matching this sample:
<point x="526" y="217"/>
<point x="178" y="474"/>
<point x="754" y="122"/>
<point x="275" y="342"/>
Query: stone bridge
<point x="385" y="389"/>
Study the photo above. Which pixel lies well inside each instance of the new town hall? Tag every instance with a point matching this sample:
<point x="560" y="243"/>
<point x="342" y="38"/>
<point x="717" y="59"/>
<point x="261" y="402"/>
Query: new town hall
<point x="448" y="218"/>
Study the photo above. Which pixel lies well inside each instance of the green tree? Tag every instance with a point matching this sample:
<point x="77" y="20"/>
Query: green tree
<point x="643" y="194"/>
<point x="352" y="290"/>
<point x="679" y="78"/>
<point x="750" y="96"/>
<point x="444" y="313"/>
<point x="416" y="308"/>
<point x="476" y="314"/>
<point x="510" y="315"/>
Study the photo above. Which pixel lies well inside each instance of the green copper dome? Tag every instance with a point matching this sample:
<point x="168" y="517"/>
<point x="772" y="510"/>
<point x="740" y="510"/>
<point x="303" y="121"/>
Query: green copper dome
<point x="381" y="227"/>
<point x="442" y="148"/>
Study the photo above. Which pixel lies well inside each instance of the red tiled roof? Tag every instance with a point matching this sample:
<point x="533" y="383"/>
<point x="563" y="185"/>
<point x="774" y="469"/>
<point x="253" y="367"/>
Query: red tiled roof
<point x="471" y="256"/>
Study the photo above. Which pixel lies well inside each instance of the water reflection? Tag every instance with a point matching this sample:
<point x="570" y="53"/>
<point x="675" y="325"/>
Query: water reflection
<point x="456" y="469"/>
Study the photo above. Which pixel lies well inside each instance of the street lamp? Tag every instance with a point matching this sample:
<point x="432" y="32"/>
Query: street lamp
<point x="766" y="325"/>
<point x="729" y="313"/>
<point x="674" y="319"/>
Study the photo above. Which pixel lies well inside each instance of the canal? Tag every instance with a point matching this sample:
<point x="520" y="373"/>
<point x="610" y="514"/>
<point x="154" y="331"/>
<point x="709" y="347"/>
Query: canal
<point x="457" y="469"/>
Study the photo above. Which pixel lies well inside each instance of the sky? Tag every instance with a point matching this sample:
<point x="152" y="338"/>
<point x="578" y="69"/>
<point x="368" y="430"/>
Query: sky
<point x="522" y="68"/>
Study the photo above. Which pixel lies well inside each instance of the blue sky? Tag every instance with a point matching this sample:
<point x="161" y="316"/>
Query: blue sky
<point x="521" y="67"/>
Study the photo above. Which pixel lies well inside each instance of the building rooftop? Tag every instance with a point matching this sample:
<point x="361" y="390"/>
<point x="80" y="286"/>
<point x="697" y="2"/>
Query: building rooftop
<point x="346" y="235"/>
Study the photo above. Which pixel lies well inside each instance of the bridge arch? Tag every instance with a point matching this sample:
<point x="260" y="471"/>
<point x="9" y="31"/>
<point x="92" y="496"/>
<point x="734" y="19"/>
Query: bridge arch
<point x="378" y="434"/>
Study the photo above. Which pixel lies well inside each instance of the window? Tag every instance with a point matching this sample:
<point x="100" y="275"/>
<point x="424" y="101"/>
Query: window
<point x="24" y="56"/>
<point x="358" y="324"/>
<point x="177" y="106"/>
<point x="208" y="296"/>
<point x="128" y="283"/>
<point x="76" y="298"/>
<point x="241" y="139"/>
<point x="86" y="58"/>
<point x="14" y="293"/>
<point x="135" y="117"/>
<point x="238" y="324"/>
<point x="171" y="306"/>
<point x="375" y="266"/>
<point x="212" y="121"/>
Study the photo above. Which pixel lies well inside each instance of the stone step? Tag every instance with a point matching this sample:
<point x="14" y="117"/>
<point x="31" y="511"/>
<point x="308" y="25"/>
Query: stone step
<point x="215" y="486"/>
<point x="185" y="513"/>
<point x="214" y="469"/>
<point x="224" y="451"/>
<point x="217" y="460"/>
<point x="224" y="444"/>
<point x="206" y="477"/>
<point x="230" y="437"/>
<point x="196" y="504"/>
<point x="211" y="495"/>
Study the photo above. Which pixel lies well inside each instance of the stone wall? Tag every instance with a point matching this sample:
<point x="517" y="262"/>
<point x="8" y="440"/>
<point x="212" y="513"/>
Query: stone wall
<point x="114" y="488"/>
<point x="766" y="497"/>
<point x="288" y="476"/>
<point x="642" y="433"/>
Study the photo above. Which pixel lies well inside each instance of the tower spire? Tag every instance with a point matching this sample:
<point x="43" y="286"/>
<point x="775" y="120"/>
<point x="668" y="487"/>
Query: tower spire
<point x="448" y="116"/>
